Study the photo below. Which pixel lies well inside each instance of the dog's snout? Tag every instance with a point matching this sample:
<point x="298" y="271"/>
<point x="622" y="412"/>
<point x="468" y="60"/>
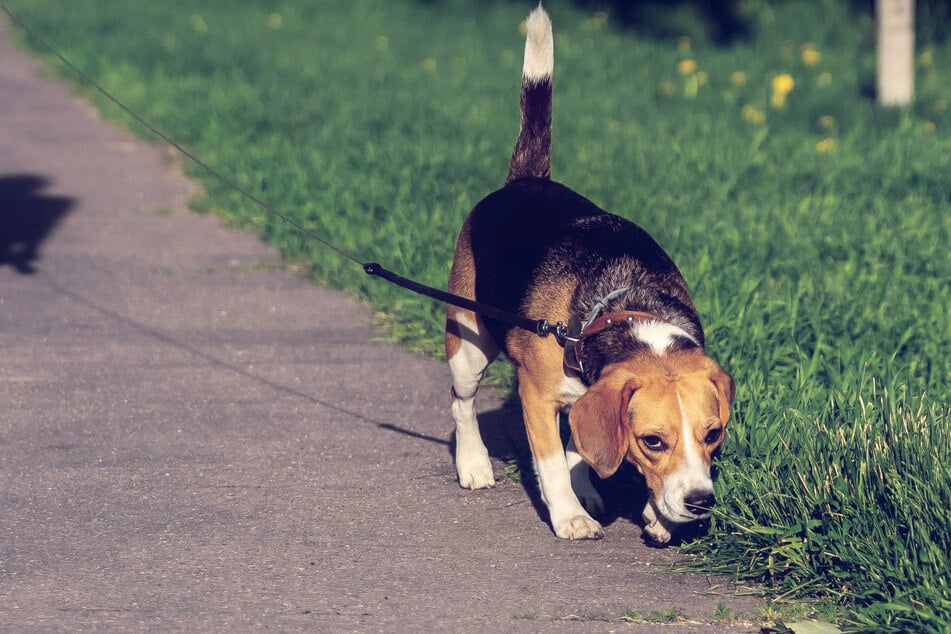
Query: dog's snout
<point x="699" y="502"/>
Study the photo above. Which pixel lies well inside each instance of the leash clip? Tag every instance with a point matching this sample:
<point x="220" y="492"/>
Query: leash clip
<point x="571" y="340"/>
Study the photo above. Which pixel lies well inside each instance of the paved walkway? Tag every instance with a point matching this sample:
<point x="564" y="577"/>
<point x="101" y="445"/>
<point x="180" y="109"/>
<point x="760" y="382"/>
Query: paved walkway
<point x="193" y="438"/>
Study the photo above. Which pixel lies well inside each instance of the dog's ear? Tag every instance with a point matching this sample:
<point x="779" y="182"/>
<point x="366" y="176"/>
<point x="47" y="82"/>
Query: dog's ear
<point x="599" y="422"/>
<point x="726" y="390"/>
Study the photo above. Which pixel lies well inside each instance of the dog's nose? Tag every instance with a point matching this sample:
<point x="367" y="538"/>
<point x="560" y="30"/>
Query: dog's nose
<point x="699" y="502"/>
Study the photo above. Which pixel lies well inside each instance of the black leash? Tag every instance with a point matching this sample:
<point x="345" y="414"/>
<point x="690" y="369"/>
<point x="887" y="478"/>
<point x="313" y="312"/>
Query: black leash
<point x="540" y="327"/>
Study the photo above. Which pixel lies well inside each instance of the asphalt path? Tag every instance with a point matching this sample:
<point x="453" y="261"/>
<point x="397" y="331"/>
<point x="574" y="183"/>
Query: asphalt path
<point x="192" y="437"/>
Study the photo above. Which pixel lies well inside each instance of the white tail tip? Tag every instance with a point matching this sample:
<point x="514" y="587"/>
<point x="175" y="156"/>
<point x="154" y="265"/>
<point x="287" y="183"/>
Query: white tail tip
<point x="539" y="46"/>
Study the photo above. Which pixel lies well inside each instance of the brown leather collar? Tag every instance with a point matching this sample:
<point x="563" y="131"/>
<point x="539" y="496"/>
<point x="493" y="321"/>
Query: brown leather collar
<point x="574" y="345"/>
<point x="607" y="320"/>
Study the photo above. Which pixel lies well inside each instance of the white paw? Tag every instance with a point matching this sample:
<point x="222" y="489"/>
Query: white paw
<point x="476" y="474"/>
<point x="578" y="527"/>
<point x="657" y="532"/>
<point x="654" y="527"/>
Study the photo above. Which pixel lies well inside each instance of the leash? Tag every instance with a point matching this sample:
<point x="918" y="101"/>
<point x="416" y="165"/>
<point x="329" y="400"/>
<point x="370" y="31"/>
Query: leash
<point x="540" y="327"/>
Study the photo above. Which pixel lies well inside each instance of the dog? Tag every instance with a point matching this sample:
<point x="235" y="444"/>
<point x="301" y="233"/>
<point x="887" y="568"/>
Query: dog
<point x="630" y="369"/>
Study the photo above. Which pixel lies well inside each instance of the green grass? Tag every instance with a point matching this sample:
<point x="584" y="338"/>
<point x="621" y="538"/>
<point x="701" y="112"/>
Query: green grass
<point x="814" y="235"/>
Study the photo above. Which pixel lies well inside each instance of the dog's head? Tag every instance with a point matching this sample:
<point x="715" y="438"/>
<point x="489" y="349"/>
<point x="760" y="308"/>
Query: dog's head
<point x="666" y="415"/>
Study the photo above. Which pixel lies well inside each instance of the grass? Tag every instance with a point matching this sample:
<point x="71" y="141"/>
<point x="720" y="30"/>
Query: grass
<point x="723" y="614"/>
<point x="812" y="225"/>
<point x="669" y="615"/>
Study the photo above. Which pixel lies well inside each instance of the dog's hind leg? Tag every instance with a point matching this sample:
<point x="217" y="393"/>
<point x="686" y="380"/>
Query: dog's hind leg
<point x="470" y="350"/>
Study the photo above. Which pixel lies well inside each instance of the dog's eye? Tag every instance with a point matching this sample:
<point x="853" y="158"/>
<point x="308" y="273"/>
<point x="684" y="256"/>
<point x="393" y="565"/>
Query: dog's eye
<point x="713" y="435"/>
<point x="654" y="443"/>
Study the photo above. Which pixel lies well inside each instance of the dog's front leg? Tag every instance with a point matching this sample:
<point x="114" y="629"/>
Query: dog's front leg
<point x="581" y="480"/>
<point x="656" y="527"/>
<point x="568" y="518"/>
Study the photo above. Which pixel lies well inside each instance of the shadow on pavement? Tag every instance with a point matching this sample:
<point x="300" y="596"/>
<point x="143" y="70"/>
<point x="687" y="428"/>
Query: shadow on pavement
<point x="27" y="217"/>
<point x="503" y="432"/>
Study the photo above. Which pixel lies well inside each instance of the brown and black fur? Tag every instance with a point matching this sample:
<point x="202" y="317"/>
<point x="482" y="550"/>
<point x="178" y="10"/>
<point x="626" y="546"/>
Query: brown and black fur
<point x="539" y="249"/>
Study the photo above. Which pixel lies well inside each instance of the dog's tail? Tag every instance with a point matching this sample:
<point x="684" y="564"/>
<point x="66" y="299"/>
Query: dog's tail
<point x="532" y="154"/>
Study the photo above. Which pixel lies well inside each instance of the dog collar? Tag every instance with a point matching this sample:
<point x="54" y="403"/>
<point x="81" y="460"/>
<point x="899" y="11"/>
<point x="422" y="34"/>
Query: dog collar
<point x="578" y="332"/>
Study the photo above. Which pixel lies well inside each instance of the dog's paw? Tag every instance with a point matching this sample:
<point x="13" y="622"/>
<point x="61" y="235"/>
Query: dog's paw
<point x="657" y="533"/>
<point x="654" y="527"/>
<point x="476" y="475"/>
<point x="579" y="527"/>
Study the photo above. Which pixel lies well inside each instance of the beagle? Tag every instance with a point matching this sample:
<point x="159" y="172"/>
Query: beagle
<point x="632" y="371"/>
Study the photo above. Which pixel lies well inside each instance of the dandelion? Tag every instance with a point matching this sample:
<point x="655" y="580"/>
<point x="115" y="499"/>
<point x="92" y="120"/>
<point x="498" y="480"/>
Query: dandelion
<point x="810" y="56"/>
<point x="692" y="78"/>
<point x="429" y="64"/>
<point x="686" y="66"/>
<point x="782" y="86"/>
<point x="928" y="127"/>
<point x="825" y="145"/>
<point x="738" y="78"/>
<point x="926" y="58"/>
<point x="826" y="122"/>
<point x="753" y="115"/>
<point x="275" y="21"/>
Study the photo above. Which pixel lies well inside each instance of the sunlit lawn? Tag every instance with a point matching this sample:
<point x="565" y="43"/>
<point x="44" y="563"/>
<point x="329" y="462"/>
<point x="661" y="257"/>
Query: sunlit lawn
<point x="812" y="226"/>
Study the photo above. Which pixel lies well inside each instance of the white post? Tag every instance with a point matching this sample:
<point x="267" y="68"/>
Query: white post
<point x="895" y="22"/>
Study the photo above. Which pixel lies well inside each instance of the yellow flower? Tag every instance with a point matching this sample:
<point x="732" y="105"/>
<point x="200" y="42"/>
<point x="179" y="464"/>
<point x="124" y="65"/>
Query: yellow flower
<point x="429" y="64"/>
<point x="738" y="78"/>
<point x="926" y="58"/>
<point x="753" y="115"/>
<point x="826" y="122"/>
<point x="928" y="127"/>
<point x="782" y="86"/>
<point x="810" y="56"/>
<point x="275" y="21"/>
<point x="825" y="145"/>
<point x="687" y="66"/>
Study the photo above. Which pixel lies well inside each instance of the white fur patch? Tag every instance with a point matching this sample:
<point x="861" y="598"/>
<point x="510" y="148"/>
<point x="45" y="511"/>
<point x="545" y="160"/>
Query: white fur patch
<point x="659" y="335"/>
<point x="539" y="46"/>
<point x="693" y="475"/>
<point x="571" y="389"/>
